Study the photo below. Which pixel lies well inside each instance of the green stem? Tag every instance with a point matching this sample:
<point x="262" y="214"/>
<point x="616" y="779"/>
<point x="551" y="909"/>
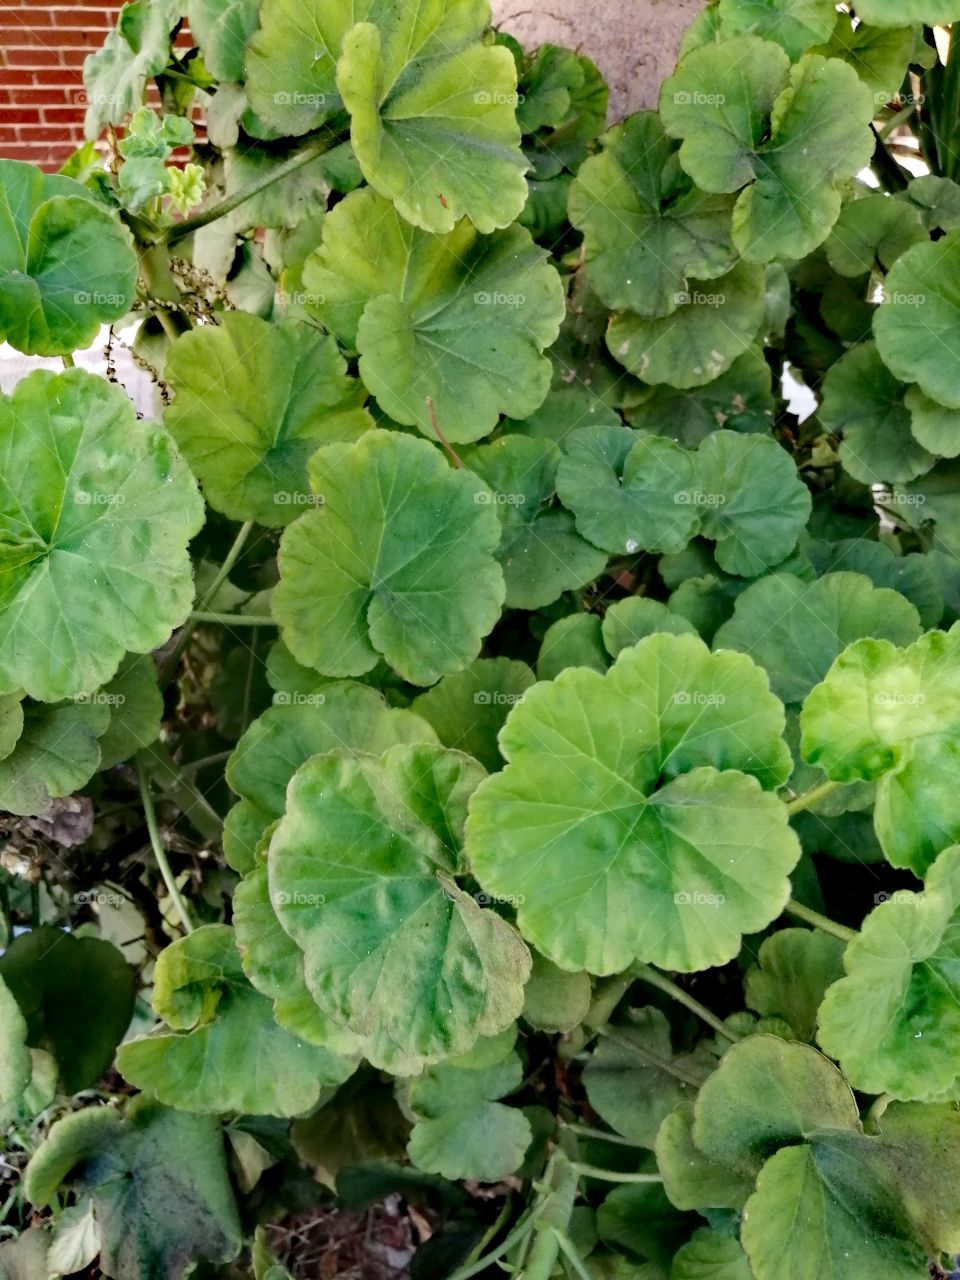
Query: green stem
<point x="809" y="798"/>
<point x="568" y="1249"/>
<point x="319" y="147"/>
<point x="585" y="1131"/>
<point x="219" y="757"/>
<point x="68" y="362"/>
<point x="233" y="555"/>
<point x="607" y="995"/>
<point x="611" y="1175"/>
<point x="234" y="619"/>
<point x="894" y="122"/>
<point x="820" y="922"/>
<point x="654" y="979"/>
<point x="491" y="1233"/>
<point x="158" y="850"/>
<point x="520" y="1232"/>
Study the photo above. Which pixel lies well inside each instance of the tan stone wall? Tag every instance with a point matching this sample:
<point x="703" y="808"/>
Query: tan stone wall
<point x="633" y="42"/>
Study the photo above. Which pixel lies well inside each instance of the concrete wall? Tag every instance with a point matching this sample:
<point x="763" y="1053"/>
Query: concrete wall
<point x="633" y="42"/>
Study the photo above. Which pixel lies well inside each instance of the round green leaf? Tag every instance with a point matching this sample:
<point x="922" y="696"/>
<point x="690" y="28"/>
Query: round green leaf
<point x="893" y="13"/>
<point x="76" y="995"/>
<point x="752" y="500"/>
<point x="252" y="402"/>
<point x="149" y="1156"/>
<point x="468" y="709"/>
<point x="641" y="1220"/>
<point x="629" y="491"/>
<point x="803" y="1209"/>
<point x="222" y="28"/>
<point x="646" y="228"/>
<point x="68" y="264"/>
<point x="710" y="1255"/>
<point x="796" y="629"/>
<point x="462" y="1131"/>
<point x="863" y="400"/>
<point x="879" y="55"/>
<point x="433" y="112"/>
<point x="712" y="325"/>
<point x="740" y="399"/>
<point x="795" y="25"/>
<point x="540" y="551"/>
<point x="877" y="700"/>
<point x="224" y="1052"/>
<point x="893" y="1022"/>
<point x="635" y="618"/>
<point x="554" y="1000"/>
<point x="913" y="575"/>
<point x="270" y="752"/>
<point x="274" y="964"/>
<point x="93" y="560"/>
<point x="938" y="199"/>
<point x="576" y="641"/>
<point x="11" y="722"/>
<point x="766" y="1093"/>
<point x="794" y="968"/>
<point x="916" y="325"/>
<point x="898" y="718"/>
<point x="643" y="845"/>
<point x="460" y="318"/>
<point x="934" y="427"/>
<point x="367" y="851"/>
<point x="396" y="563"/>
<point x="136" y="710"/>
<point x="57" y="752"/>
<point x="691" y="1179"/>
<point x="291" y="62"/>
<point x="138" y="48"/>
<point x="634" y="1079"/>
<point x="788" y="135"/>
<point x="872" y="233"/>
<point x="16" y="1065"/>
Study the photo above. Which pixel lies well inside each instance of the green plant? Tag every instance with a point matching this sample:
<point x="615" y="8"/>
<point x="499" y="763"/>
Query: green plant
<point x="489" y="733"/>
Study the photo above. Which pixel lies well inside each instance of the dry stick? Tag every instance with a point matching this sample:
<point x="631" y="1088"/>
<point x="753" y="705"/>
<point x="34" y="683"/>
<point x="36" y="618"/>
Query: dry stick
<point x="451" y="452"/>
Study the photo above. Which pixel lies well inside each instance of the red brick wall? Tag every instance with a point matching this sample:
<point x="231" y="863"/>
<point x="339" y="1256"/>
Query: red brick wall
<point x="43" y="44"/>
<point x="42" y="48"/>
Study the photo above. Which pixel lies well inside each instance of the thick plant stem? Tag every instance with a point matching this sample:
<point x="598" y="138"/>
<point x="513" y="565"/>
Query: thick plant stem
<point x="233" y="555"/>
<point x="649" y="975"/>
<point x="809" y="798"/>
<point x="820" y="922"/>
<point x="158" y="850"/>
<point x="68" y="362"/>
<point x="607" y="995"/>
<point x="319" y="147"/>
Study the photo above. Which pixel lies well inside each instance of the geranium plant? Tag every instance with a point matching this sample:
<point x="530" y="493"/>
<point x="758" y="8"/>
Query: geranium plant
<point x="491" y="739"/>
